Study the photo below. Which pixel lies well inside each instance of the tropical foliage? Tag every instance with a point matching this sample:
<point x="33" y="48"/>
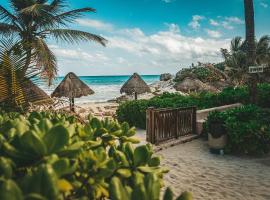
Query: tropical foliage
<point x="236" y="59"/>
<point x="34" y="21"/>
<point x="134" y="112"/>
<point x="12" y="78"/>
<point x="204" y="72"/>
<point x="52" y="156"/>
<point x="248" y="129"/>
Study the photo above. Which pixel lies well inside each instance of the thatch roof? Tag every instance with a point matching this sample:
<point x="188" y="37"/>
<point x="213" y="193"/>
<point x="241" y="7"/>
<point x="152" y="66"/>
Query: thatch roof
<point x="33" y="94"/>
<point x="72" y="87"/>
<point x="193" y="85"/>
<point x="135" y="84"/>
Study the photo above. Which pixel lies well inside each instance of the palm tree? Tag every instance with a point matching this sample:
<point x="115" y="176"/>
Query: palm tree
<point x="236" y="59"/>
<point x="12" y="77"/>
<point x="33" y="21"/>
<point x="250" y="40"/>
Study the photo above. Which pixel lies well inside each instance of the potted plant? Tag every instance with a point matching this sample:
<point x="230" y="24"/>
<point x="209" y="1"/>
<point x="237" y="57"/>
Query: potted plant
<point x="217" y="134"/>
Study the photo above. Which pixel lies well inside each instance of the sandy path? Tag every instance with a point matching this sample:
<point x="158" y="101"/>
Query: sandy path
<point x="214" y="177"/>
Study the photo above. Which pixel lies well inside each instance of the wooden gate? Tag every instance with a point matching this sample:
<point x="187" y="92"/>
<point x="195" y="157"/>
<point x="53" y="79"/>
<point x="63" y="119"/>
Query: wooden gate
<point x="167" y="124"/>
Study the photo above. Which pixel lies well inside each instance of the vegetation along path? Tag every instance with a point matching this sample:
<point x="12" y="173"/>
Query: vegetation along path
<point x="215" y="177"/>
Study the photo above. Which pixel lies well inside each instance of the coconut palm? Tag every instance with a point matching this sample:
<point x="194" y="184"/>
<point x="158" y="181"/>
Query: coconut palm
<point x="34" y="21"/>
<point x="236" y="59"/>
<point x="251" y="52"/>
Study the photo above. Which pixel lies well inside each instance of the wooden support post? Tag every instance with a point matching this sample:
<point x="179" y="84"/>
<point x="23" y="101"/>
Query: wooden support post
<point x="194" y="120"/>
<point x="72" y="105"/>
<point x="149" y="125"/>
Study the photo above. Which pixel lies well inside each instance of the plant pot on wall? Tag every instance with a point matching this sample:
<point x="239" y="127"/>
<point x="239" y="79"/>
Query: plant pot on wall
<point x="217" y="137"/>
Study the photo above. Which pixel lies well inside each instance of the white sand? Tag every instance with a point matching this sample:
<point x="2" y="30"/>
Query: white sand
<point x="214" y="177"/>
<point x="100" y="110"/>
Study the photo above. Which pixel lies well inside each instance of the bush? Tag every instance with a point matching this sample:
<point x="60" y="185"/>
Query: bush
<point x="53" y="156"/>
<point x="134" y="112"/>
<point x="248" y="129"/>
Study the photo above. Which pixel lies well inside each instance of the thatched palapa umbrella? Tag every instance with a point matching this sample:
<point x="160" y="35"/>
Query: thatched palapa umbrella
<point x="193" y="85"/>
<point x="35" y="95"/>
<point x="72" y="87"/>
<point x="135" y="85"/>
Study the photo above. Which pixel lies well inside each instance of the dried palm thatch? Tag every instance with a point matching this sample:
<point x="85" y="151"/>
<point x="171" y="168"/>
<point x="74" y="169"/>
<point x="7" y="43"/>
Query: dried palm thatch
<point x="35" y="95"/>
<point x="193" y="85"/>
<point x="72" y="87"/>
<point x="17" y="89"/>
<point x="135" y="85"/>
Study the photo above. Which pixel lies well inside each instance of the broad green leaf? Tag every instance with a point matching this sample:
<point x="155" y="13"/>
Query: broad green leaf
<point x="9" y="190"/>
<point x="152" y="186"/>
<point x="43" y="181"/>
<point x="154" y="162"/>
<point x="34" y="196"/>
<point x="32" y="143"/>
<point x="125" y="173"/>
<point x="117" y="190"/>
<point x="56" y="138"/>
<point x="185" y="196"/>
<point x="5" y="168"/>
<point x="168" y="195"/>
<point x="141" y="155"/>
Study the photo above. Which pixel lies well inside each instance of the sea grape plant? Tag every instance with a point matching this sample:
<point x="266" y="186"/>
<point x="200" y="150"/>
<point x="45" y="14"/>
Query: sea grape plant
<point x="53" y="156"/>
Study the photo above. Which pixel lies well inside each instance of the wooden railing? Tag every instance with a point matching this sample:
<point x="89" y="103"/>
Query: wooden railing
<point x="167" y="124"/>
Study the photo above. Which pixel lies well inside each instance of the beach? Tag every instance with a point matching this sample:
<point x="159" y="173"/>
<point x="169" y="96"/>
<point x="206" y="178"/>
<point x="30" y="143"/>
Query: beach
<point x="215" y="177"/>
<point x="105" y="87"/>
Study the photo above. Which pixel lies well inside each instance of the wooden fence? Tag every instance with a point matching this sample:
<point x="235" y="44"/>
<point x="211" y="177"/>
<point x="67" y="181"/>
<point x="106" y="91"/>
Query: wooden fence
<point x="167" y="124"/>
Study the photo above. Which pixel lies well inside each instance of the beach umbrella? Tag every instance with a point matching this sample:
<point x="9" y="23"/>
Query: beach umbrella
<point x="72" y="87"/>
<point x="193" y="85"/>
<point x="27" y="92"/>
<point x="33" y="94"/>
<point x="135" y="85"/>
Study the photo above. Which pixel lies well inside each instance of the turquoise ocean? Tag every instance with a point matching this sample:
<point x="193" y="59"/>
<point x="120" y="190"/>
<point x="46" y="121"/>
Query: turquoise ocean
<point x="105" y="87"/>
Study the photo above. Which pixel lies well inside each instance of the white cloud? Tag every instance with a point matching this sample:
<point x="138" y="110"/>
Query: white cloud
<point x="235" y="20"/>
<point x="227" y="25"/>
<point x="173" y="27"/>
<point x="97" y="24"/>
<point x="265" y="5"/>
<point x="213" y="34"/>
<point x="213" y="22"/>
<point x="131" y="50"/>
<point x="195" y="23"/>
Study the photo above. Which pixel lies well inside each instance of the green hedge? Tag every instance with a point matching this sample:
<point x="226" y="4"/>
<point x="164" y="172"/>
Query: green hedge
<point x="52" y="156"/>
<point x="134" y="112"/>
<point x="247" y="127"/>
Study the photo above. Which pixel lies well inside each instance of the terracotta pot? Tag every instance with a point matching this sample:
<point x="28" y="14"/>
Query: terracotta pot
<point x="217" y="143"/>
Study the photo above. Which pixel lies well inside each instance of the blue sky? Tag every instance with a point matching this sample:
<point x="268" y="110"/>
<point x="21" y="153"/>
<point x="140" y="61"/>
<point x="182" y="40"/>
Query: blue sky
<point x="155" y="36"/>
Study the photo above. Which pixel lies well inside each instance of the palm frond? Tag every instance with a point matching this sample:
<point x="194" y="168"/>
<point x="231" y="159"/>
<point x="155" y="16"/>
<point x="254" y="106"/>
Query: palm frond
<point x="45" y="60"/>
<point x="8" y="29"/>
<point x="6" y="15"/>
<point x="36" y="10"/>
<point x="70" y="16"/>
<point x="56" y="6"/>
<point x="14" y="85"/>
<point x="75" y="36"/>
<point x="236" y="44"/>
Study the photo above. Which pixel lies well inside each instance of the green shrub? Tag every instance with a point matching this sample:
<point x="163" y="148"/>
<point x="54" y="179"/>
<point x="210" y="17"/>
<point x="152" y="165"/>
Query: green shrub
<point x="134" y="112"/>
<point x="52" y="156"/>
<point x="247" y="127"/>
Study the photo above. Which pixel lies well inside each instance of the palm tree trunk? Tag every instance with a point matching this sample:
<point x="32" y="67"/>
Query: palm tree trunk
<point x="251" y="54"/>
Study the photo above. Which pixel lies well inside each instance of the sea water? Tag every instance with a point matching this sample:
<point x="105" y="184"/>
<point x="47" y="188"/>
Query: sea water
<point x="105" y="87"/>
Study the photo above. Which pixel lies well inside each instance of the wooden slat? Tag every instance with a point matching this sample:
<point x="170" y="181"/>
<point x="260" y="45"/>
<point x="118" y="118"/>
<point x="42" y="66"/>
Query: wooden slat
<point x="166" y="124"/>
